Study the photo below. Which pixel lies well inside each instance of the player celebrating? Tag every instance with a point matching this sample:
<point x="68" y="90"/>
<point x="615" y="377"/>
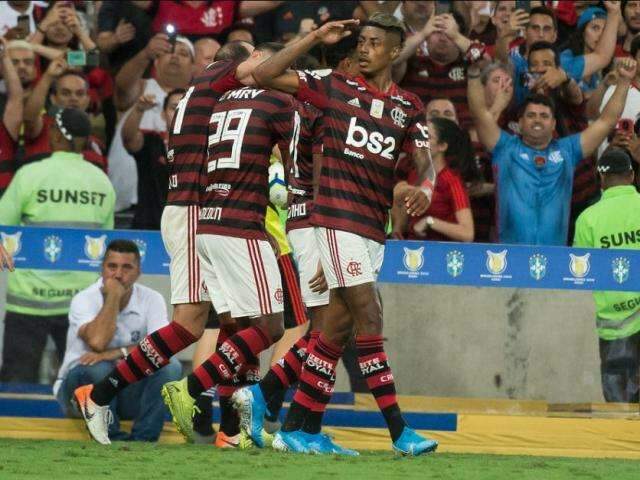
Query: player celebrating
<point x="269" y="394"/>
<point x="186" y="156"/>
<point x="372" y="130"/>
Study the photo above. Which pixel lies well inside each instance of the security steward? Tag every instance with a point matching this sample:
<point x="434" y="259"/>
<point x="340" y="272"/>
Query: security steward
<point x="614" y="222"/>
<point x="63" y="190"/>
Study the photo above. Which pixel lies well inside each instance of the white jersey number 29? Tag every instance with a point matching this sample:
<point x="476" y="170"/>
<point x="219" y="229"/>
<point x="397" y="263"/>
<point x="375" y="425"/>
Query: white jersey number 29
<point x="221" y="131"/>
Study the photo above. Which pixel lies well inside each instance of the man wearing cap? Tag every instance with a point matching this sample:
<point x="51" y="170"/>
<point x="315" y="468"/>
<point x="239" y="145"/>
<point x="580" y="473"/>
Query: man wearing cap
<point x="614" y="222"/>
<point x="62" y="190"/>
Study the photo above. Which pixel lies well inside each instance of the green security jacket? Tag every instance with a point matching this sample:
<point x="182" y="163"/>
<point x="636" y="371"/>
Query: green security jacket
<point x="63" y="190"/>
<point x="613" y="222"/>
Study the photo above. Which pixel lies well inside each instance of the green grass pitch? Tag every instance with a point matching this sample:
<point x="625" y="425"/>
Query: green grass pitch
<point x="46" y="459"/>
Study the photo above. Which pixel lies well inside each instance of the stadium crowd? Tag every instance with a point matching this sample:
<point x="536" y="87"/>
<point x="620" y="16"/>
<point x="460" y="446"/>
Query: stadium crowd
<point x="515" y="138"/>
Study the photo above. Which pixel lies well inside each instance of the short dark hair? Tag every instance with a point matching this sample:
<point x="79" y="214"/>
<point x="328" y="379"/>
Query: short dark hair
<point x="175" y="91"/>
<point x="306" y="62"/>
<point x="544" y="46"/>
<point x="541" y="10"/>
<point x="635" y="46"/>
<point x="388" y="23"/>
<point x="232" y="51"/>
<point x="122" y="245"/>
<point x="335" y="53"/>
<point x="69" y="73"/>
<point x="272" y="47"/>
<point x="537" y="99"/>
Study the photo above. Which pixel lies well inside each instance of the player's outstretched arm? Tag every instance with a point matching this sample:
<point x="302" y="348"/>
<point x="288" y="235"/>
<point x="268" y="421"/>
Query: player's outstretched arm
<point x="272" y="72"/>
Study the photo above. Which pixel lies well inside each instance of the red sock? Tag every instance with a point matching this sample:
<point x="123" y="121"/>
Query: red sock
<point x="318" y="376"/>
<point x="154" y="352"/>
<point x="151" y="354"/>
<point x="375" y="368"/>
<point x="237" y="351"/>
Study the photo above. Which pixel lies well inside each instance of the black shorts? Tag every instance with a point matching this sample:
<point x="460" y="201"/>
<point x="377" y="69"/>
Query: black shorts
<point x="294" y="311"/>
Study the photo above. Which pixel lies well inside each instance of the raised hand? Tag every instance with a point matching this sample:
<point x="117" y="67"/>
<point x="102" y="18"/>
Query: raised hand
<point x="626" y="69"/>
<point x="146" y="102"/>
<point x="333" y="32"/>
<point x="125" y="32"/>
<point x="57" y="67"/>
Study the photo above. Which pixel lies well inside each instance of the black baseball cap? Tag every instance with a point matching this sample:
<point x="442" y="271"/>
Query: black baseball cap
<point x="73" y="123"/>
<point x="614" y="160"/>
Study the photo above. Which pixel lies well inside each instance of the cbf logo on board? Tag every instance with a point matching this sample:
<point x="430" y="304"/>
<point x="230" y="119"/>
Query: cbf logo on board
<point x="52" y="248"/>
<point x="537" y="266"/>
<point x="620" y="268"/>
<point x="455" y="263"/>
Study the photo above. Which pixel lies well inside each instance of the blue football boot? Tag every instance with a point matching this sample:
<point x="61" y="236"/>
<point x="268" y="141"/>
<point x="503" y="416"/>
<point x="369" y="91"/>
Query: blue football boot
<point x="411" y="443"/>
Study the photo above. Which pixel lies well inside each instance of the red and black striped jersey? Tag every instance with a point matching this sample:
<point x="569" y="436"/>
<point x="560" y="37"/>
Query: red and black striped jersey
<point x="244" y="126"/>
<point x="305" y="143"/>
<point x="429" y="80"/>
<point x="8" y="147"/>
<point x="187" y="151"/>
<point x="368" y="142"/>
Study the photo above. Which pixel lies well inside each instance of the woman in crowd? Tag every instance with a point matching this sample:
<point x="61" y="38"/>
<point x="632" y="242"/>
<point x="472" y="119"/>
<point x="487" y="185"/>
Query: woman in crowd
<point x="449" y="215"/>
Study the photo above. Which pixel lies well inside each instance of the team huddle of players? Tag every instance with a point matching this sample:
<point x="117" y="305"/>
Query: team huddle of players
<point x="349" y="139"/>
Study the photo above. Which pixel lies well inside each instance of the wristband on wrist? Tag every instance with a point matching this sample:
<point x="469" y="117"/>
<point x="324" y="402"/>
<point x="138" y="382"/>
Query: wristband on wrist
<point x="124" y="352"/>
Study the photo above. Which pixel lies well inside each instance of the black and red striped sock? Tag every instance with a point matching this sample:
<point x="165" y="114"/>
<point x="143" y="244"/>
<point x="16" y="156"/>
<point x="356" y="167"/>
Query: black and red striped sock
<point x="225" y="332"/>
<point x="240" y="349"/>
<point x="149" y="356"/>
<point x="287" y="371"/>
<point x="375" y="368"/>
<point x="317" y="381"/>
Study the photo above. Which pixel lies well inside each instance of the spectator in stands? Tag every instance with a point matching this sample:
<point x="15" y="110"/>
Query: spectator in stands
<point x="441" y="107"/>
<point x="547" y="77"/>
<point x="124" y="29"/>
<point x="592" y="45"/>
<point x="173" y="68"/>
<point x="535" y="171"/>
<point x="285" y="20"/>
<point x="69" y="89"/>
<point x="437" y="68"/>
<point x="106" y="321"/>
<point x="449" y="215"/>
<point x="631" y="111"/>
<point x="477" y="16"/>
<point x="11" y="117"/>
<point x="60" y="191"/>
<point x="24" y="61"/>
<point x="500" y="17"/>
<point x="498" y="93"/>
<point x="614" y="222"/>
<point x="541" y="26"/>
<point x="9" y="13"/>
<point x="205" y="51"/>
<point x="150" y="151"/>
<point x="62" y="29"/>
<point x="196" y="19"/>
<point x="631" y="17"/>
